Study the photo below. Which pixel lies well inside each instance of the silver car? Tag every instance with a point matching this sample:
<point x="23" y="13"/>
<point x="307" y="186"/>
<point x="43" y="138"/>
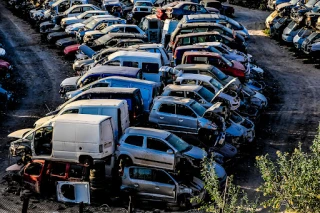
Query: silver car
<point x="157" y="148"/>
<point x="158" y="185"/>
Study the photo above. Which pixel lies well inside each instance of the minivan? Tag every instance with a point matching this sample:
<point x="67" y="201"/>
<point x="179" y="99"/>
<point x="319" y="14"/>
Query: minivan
<point x="131" y="95"/>
<point x="148" y="89"/>
<point x="148" y="62"/>
<point x="117" y="109"/>
<point x="96" y="73"/>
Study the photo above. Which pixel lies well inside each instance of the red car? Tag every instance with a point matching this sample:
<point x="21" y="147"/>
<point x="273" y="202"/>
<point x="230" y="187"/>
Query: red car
<point x="40" y="176"/>
<point x="233" y="68"/>
<point x="5" y="68"/>
<point x="71" y="50"/>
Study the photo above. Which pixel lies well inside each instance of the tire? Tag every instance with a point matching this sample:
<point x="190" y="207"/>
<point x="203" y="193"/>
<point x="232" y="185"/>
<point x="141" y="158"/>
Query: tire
<point x="87" y="160"/>
<point x="125" y="161"/>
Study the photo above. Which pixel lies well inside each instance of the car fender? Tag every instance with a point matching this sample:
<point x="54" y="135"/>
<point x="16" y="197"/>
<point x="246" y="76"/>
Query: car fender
<point x="315" y="46"/>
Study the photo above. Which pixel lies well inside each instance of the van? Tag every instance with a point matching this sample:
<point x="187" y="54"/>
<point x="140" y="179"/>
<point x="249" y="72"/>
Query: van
<point x="70" y="138"/>
<point x="131" y="95"/>
<point x="117" y="109"/>
<point x="96" y="73"/>
<point x="148" y="89"/>
<point x="148" y="62"/>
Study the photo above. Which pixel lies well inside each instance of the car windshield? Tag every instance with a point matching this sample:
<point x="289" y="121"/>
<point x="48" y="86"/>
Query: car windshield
<point x="206" y="94"/>
<point x="81" y="15"/>
<point x="91" y="24"/>
<point x="107" y="29"/>
<point x="197" y="108"/>
<point x="294" y="2"/>
<point x="178" y="143"/>
<point x="216" y="84"/>
<point x="316" y="9"/>
<point x="306" y="33"/>
<point x="143" y="3"/>
<point x="227" y="61"/>
<point x="301" y="32"/>
<point x="88" y="20"/>
<point x="291" y="25"/>
<point x="220" y="75"/>
<point x="215" y="50"/>
<point x="103" y="39"/>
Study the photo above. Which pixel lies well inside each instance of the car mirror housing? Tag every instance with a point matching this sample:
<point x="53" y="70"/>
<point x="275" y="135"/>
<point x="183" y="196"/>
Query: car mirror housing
<point x="170" y="151"/>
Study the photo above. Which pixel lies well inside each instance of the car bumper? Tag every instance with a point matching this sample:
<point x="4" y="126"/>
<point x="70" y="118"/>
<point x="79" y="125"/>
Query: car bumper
<point x="287" y="38"/>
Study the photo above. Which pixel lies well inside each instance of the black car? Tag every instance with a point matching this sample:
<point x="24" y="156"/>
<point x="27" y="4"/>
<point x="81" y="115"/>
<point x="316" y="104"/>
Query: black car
<point x="277" y="29"/>
<point x="224" y="9"/>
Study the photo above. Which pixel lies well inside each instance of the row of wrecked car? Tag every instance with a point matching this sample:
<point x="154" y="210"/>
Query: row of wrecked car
<point x="146" y="105"/>
<point x="299" y="24"/>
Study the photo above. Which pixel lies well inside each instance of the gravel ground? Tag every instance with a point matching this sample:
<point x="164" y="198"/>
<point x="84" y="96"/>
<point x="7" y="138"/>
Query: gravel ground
<point x="292" y="116"/>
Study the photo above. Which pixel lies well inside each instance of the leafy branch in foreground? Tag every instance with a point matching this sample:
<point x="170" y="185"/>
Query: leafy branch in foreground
<point x="292" y="181"/>
<point x="223" y="199"/>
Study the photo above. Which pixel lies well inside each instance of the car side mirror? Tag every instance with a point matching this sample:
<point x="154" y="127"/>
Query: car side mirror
<point x="170" y="151"/>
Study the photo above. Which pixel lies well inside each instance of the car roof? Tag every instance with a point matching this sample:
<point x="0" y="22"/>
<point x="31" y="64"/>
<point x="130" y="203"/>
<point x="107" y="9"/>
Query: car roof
<point x="130" y="35"/>
<point x="96" y="11"/>
<point x="212" y="43"/>
<point x="194" y="77"/>
<point x="83" y="118"/>
<point x="194" y="66"/>
<point x="174" y="87"/>
<point x="147" y="132"/>
<point x="123" y="25"/>
<point x="107" y="18"/>
<point x="136" y="54"/>
<point x="205" y="16"/>
<point x="192" y="47"/>
<point x="199" y="24"/>
<point x="131" y="80"/>
<point x="201" y="53"/>
<point x="113" y="69"/>
<point x="175" y="100"/>
<point x="113" y="90"/>
<point x="197" y="34"/>
<point x="146" y="46"/>
<point x="95" y="102"/>
<point x="129" y="39"/>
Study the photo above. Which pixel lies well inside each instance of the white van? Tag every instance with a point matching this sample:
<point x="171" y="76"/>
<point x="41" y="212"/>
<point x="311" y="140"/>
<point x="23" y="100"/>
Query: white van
<point x="72" y="138"/>
<point x="148" y="62"/>
<point x="117" y="109"/>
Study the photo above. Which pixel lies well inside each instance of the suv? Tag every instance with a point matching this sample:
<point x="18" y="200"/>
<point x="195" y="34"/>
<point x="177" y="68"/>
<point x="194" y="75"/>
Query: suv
<point x="185" y="115"/>
<point x="157" y="148"/>
<point x="158" y="185"/>
<point x="230" y="97"/>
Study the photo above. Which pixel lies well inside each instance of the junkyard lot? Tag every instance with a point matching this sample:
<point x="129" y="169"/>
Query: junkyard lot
<point x="293" y="115"/>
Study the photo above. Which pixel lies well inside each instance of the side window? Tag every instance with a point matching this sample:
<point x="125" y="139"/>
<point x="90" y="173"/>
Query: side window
<point x="114" y="63"/>
<point x="114" y="30"/>
<point x="186" y="7"/>
<point x="71" y="111"/>
<point x="185" y="111"/>
<point x="132" y="30"/>
<point x="140" y="173"/>
<point x="167" y="108"/>
<point x="193" y="96"/>
<point x="130" y="64"/>
<point x="75" y="171"/>
<point x="207" y="73"/>
<point x="34" y="169"/>
<point x="112" y="43"/>
<point x="150" y="68"/>
<point x="177" y="93"/>
<point x="87" y="9"/>
<point x="88" y="16"/>
<point x="134" y="140"/>
<point x="189" y="81"/>
<point x="161" y="177"/>
<point x="156" y="144"/>
<point x="76" y="10"/>
<point x="30" y="136"/>
<point x="100" y="84"/>
<point x="58" y="169"/>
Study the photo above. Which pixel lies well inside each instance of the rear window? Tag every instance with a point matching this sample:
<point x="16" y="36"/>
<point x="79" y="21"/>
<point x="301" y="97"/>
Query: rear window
<point x="150" y="68"/>
<point x="140" y="173"/>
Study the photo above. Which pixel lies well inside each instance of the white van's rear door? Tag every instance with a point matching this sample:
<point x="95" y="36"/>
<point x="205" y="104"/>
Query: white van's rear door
<point x="73" y="192"/>
<point x="107" y="137"/>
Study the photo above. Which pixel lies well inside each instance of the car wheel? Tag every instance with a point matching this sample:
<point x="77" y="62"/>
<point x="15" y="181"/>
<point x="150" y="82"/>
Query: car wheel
<point x="125" y="161"/>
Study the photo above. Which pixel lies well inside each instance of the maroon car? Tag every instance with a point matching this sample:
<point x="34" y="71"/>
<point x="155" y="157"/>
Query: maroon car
<point x="5" y="68"/>
<point x="177" y="9"/>
<point x="232" y="68"/>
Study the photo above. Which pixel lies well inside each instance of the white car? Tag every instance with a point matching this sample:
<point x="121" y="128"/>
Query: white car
<point x="80" y="18"/>
<point x="142" y="8"/>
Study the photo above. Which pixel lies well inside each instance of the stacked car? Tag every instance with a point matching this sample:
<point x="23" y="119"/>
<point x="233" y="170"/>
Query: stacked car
<point x="149" y="99"/>
<point x="298" y="24"/>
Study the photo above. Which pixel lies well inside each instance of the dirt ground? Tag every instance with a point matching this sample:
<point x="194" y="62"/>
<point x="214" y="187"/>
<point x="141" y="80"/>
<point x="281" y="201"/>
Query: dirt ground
<point x="292" y="116"/>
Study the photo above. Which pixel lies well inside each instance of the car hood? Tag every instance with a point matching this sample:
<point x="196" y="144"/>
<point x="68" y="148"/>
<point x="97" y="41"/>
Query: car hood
<point x="71" y="19"/>
<point x="69" y="81"/>
<point x="196" y="153"/>
<point x="235" y="130"/>
<point x="19" y="133"/>
<point x="237" y="65"/>
<point x="283" y="5"/>
<point x="236" y="57"/>
<point x="71" y="94"/>
<point x="74" y="27"/>
<point x="43" y="120"/>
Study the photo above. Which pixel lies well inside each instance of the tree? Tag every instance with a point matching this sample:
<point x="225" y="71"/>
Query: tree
<point x="229" y="199"/>
<point x="292" y="181"/>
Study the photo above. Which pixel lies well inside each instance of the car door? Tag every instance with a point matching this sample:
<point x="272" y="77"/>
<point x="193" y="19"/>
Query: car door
<point x="167" y="118"/>
<point x="186" y="119"/>
<point x="133" y="144"/>
<point x="57" y="172"/>
<point x="159" y="154"/>
<point x="165" y="186"/>
<point x="33" y="176"/>
<point x="141" y="181"/>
